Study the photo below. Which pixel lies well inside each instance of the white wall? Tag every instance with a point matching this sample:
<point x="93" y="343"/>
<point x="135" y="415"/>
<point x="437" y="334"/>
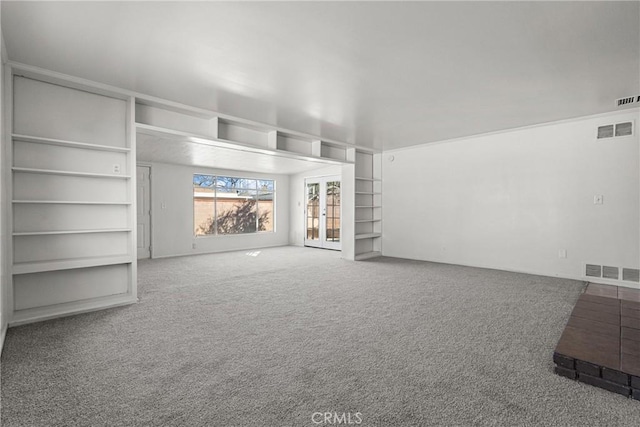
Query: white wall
<point x="297" y="192"/>
<point x="172" y="226"/>
<point x="512" y="200"/>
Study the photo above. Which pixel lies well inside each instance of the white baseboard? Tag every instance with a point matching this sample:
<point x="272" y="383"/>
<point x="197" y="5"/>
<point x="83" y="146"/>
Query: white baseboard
<point x="3" y="334"/>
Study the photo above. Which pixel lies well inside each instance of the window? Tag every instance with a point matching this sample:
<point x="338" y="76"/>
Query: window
<point x="230" y="205"/>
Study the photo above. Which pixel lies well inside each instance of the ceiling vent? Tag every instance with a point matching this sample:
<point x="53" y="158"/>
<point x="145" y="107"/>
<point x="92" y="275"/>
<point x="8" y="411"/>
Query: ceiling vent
<point x="628" y="100"/>
<point x="619" y="129"/>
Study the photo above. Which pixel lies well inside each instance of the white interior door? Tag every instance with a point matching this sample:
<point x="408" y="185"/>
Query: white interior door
<point x="143" y="197"/>
<point x="323" y="212"/>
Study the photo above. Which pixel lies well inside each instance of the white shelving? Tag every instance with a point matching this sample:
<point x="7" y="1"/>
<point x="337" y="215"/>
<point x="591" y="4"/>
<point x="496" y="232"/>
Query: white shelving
<point x="238" y="135"/>
<point x="51" y="233"/>
<point x="73" y="233"/>
<point x="69" y="173"/>
<point x="368" y="215"/>
<point x="63" y="143"/>
<point x="368" y="236"/>
<point x="70" y="202"/>
<point x="43" y="266"/>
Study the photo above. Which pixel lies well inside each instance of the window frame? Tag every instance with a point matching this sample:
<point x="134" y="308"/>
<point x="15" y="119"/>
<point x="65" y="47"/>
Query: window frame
<point x="257" y="190"/>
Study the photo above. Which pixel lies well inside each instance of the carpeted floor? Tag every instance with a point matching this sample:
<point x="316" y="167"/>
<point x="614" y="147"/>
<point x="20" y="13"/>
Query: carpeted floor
<point x="269" y="339"/>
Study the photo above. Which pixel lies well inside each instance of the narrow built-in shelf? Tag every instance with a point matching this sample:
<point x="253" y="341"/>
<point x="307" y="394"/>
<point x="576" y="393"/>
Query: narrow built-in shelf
<point x="236" y="145"/>
<point x="49" y="233"/>
<point x="69" y="264"/>
<point x="368" y="220"/>
<point x="63" y="143"/>
<point x="69" y="202"/>
<point x="367" y="255"/>
<point x="367" y="235"/>
<point x="69" y="173"/>
<point x="370" y="193"/>
<point x="369" y="206"/>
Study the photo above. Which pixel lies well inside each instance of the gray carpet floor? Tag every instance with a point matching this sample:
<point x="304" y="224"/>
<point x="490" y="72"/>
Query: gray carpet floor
<point x="268" y="339"/>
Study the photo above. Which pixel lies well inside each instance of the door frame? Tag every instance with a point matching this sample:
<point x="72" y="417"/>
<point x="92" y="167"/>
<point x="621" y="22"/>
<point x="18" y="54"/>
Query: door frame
<point x="150" y="166"/>
<point x="322" y="243"/>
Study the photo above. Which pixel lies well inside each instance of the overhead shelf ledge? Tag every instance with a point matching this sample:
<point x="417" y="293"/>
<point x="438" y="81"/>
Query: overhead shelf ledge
<point x="64" y="143"/>
<point x="69" y="173"/>
<point x="237" y="140"/>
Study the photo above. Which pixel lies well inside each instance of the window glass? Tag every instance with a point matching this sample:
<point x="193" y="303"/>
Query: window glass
<point x="232" y="205"/>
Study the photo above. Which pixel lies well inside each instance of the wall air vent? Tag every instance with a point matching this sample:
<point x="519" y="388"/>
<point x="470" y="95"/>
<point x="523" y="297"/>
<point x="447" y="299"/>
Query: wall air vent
<point x="631" y="274"/>
<point x="605" y="131"/>
<point x="610" y="272"/>
<point x="593" y="270"/>
<point x="619" y="129"/>
<point x="624" y="129"/>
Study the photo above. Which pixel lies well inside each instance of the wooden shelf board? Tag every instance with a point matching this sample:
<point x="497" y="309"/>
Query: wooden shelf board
<point x="49" y="233"/>
<point x="367" y="236"/>
<point x="42" y="266"/>
<point x="367" y="220"/>
<point x="69" y="173"/>
<point x="369" y="206"/>
<point x="360" y="178"/>
<point x="69" y="202"/>
<point x="63" y="143"/>
<point x="369" y="193"/>
<point x="367" y="255"/>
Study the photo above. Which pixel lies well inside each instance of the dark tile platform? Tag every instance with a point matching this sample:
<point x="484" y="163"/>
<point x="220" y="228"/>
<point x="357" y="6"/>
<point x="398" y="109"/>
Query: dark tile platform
<point x="600" y="345"/>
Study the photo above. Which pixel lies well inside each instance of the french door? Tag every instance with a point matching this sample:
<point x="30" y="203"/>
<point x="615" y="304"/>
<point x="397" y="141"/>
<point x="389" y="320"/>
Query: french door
<point x="322" y="212"/>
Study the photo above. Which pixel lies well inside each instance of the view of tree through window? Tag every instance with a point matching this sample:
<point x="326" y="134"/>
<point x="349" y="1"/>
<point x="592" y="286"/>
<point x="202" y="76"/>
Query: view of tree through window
<point x="231" y="205"/>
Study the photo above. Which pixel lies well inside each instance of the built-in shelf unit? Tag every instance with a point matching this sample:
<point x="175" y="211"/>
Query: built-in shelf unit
<point x="72" y="221"/>
<point x="237" y="134"/>
<point x="368" y="206"/>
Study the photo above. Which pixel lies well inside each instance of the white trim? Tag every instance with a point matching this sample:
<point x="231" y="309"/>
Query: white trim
<point x="3" y="335"/>
<point x="5" y="57"/>
<point x="491" y="267"/>
<point x="517" y="129"/>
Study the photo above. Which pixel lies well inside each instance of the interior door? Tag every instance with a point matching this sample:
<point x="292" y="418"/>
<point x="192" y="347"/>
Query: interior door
<point x="143" y="198"/>
<point x="323" y="212"/>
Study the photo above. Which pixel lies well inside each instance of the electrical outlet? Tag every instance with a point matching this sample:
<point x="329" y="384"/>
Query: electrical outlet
<point x="598" y="199"/>
<point x="562" y="253"/>
<point x="116" y="168"/>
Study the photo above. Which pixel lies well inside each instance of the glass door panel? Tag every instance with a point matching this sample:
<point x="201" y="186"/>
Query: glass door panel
<point x="322" y="212"/>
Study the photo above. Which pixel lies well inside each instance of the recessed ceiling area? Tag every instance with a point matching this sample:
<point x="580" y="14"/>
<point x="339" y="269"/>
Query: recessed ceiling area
<point x="152" y="148"/>
<point x="382" y="75"/>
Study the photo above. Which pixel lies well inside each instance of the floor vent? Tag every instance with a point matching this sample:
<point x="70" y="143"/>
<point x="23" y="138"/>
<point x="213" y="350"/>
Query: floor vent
<point x="610" y="272"/>
<point x="593" y="270"/>
<point x="631" y="274"/>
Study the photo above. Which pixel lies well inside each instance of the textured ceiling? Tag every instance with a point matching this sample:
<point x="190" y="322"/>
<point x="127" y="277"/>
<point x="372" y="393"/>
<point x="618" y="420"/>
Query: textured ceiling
<point x="378" y="74"/>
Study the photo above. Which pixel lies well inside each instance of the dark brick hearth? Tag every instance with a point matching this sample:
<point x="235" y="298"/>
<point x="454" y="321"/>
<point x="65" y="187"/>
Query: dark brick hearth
<point x="600" y="345"/>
